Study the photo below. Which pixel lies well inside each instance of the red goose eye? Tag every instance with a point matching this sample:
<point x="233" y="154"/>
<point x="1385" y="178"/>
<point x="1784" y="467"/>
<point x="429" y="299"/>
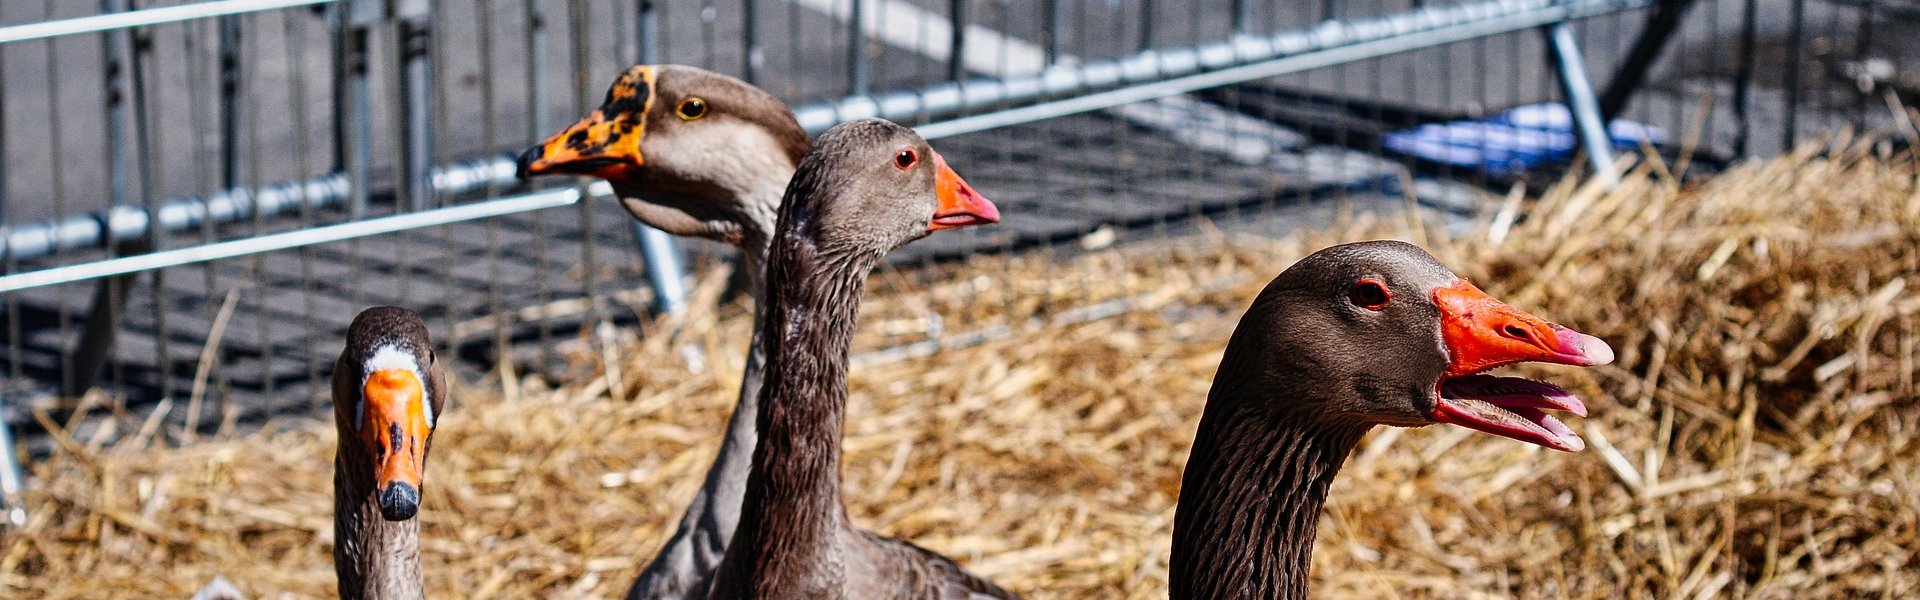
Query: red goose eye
<point x="1369" y="294"/>
<point x="906" y="159"/>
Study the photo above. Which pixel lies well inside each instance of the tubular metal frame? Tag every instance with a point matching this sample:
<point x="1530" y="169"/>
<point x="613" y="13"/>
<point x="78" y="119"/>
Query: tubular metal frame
<point x="944" y="110"/>
<point x="133" y="229"/>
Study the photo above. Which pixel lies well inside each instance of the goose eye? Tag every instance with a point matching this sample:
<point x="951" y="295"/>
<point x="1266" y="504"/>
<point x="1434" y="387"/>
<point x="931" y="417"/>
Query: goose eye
<point x="1369" y="294"/>
<point x="906" y="159"/>
<point x="692" y="108"/>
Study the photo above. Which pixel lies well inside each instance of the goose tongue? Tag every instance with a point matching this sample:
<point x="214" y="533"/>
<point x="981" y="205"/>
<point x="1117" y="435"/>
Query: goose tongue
<point x="1482" y="333"/>
<point x="1510" y="407"/>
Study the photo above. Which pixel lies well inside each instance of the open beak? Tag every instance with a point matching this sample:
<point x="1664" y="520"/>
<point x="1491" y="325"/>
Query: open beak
<point x="959" y="205"/>
<point x="596" y="146"/>
<point x="396" y="431"/>
<point x="1482" y="333"/>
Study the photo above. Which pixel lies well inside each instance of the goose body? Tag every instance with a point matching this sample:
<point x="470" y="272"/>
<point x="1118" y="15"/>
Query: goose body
<point x="1353" y="336"/>
<point x="387" y="396"/>
<point x="698" y="154"/>
<point x="867" y="187"/>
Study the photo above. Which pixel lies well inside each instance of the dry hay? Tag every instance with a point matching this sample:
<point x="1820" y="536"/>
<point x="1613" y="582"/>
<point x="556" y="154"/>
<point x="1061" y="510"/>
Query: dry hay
<point x="1756" y="437"/>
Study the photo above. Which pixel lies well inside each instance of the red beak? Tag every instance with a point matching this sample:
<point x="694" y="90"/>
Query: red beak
<point x="959" y="205"/>
<point x="1482" y="333"/>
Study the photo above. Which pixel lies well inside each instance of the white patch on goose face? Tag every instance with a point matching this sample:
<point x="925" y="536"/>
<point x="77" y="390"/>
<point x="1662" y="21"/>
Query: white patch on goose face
<point x="389" y="357"/>
<point x="730" y="154"/>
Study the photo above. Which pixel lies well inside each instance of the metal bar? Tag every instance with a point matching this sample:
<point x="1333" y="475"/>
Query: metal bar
<point x="1743" y="76"/>
<point x="859" y="69"/>
<point x="294" y="239"/>
<point x="956" y="43"/>
<point x="145" y="136"/>
<point x="1155" y="74"/>
<point x="110" y="296"/>
<point x="114" y="49"/>
<point x="1586" y="108"/>
<point x="664" y="271"/>
<point x="579" y="29"/>
<point x="1051" y="18"/>
<point x="12" y="484"/>
<point x="353" y="121"/>
<point x="537" y="126"/>
<point x="145" y="17"/>
<point x="659" y="250"/>
<point x="1147" y="21"/>
<point x="416" y="90"/>
<point x="536" y="56"/>
<point x="1790" y="129"/>
<point x="1143" y="76"/>
<point x="3" y="153"/>
<point x="751" y="55"/>
<point x="97" y="337"/>
<point x="1242" y="16"/>
<point x="41" y="238"/>
<point x="229" y="102"/>
<point x="1632" y="71"/>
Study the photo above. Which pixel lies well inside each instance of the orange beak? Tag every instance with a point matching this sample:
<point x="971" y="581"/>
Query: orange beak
<point x="606" y="144"/>
<point x="1482" y="333"/>
<point x="395" y="430"/>
<point x="597" y="146"/>
<point x="959" y="205"/>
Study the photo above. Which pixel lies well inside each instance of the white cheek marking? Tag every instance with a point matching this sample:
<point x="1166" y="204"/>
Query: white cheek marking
<point x="388" y="357"/>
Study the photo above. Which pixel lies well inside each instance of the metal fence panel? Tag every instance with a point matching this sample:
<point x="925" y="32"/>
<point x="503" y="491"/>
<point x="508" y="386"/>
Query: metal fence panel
<point x="290" y="161"/>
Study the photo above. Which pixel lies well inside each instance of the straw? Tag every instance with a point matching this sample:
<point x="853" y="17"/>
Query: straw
<point x="1756" y="438"/>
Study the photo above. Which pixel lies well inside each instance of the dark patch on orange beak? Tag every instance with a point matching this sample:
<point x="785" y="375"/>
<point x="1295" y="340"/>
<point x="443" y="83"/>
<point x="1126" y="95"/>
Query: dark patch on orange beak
<point x="395" y="431"/>
<point x="1482" y="333"/>
<point x="959" y="206"/>
<point x="606" y="144"/>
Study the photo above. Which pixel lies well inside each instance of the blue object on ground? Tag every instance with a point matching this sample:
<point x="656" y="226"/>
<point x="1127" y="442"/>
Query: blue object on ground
<point x="1515" y="140"/>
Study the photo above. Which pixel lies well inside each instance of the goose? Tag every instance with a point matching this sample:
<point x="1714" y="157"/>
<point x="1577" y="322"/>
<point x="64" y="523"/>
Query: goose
<point x="387" y="398"/>
<point x="699" y="154"/>
<point x="1352" y="336"/>
<point x="867" y="187"/>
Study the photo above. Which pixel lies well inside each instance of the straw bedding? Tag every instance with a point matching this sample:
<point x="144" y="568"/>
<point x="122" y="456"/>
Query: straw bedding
<point x="1756" y="438"/>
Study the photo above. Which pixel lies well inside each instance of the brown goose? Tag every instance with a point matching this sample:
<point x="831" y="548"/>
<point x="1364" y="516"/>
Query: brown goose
<point x="699" y="154"/>
<point x="867" y="187"/>
<point x="1357" y="335"/>
<point x="387" y="396"/>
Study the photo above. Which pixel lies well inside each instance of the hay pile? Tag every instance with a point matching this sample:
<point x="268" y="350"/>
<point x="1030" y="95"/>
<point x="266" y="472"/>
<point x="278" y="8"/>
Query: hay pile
<point x="1756" y="438"/>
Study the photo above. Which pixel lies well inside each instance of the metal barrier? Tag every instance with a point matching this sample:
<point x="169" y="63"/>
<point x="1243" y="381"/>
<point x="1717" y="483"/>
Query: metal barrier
<point x="302" y="154"/>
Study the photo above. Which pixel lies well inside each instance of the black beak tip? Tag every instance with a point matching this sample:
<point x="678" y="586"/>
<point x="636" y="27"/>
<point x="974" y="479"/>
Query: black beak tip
<point x="399" y="502"/>
<point x="524" y="165"/>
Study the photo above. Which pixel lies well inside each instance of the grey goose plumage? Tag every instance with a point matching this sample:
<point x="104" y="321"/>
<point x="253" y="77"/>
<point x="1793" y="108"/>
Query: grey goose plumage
<point x="387" y="397"/>
<point x="716" y="173"/>
<point x="1353" y="336"/>
<point x="867" y="187"/>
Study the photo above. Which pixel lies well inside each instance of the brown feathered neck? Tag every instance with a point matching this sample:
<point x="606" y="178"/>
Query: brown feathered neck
<point x="786" y="541"/>
<point x="372" y="557"/>
<point x="1255" y="481"/>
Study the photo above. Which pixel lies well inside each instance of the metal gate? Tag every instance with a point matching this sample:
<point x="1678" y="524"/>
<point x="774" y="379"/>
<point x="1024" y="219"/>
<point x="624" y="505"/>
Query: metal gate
<point x="195" y="197"/>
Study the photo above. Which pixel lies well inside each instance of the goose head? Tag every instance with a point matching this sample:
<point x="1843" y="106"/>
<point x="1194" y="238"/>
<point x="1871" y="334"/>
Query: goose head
<point x="872" y="185"/>
<point x="1380" y="333"/>
<point x="689" y="151"/>
<point x="388" y="394"/>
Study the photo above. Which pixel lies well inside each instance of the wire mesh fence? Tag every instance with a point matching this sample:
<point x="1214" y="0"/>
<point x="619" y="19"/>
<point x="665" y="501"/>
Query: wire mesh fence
<point x="1090" y="122"/>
